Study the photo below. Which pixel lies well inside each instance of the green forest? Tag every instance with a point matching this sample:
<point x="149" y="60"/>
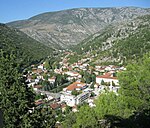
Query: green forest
<point x="25" y="48"/>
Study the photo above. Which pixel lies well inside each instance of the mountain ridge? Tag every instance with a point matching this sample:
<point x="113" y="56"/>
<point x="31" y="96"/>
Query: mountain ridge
<point x="69" y="27"/>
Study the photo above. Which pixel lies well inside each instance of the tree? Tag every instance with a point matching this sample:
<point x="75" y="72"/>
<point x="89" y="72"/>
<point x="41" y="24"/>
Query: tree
<point x="85" y="118"/>
<point x="110" y="104"/>
<point x="136" y="78"/>
<point x="113" y="84"/>
<point x="69" y="120"/>
<point x="60" y="79"/>
<point x="47" y="64"/>
<point x="17" y="99"/>
<point x="93" y="77"/>
<point x="75" y="92"/>
<point x="102" y="82"/>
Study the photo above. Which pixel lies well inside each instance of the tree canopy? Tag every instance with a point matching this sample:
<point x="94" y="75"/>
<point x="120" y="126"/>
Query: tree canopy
<point x="17" y="99"/>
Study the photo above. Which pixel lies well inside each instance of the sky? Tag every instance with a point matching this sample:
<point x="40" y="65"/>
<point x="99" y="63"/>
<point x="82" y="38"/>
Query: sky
<point x="12" y="10"/>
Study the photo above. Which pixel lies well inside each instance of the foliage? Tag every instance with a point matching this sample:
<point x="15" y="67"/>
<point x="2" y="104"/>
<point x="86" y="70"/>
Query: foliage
<point x="110" y="104"/>
<point x="27" y="50"/>
<point x="75" y="92"/>
<point x="17" y="99"/>
<point x="69" y="120"/>
<point x="136" y="78"/>
<point x="88" y="77"/>
<point x="73" y="58"/>
<point x="60" y="79"/>
<point x="85" y="118"/>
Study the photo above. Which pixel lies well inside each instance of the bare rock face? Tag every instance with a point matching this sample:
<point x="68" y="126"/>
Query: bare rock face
<point x="69" y="27"/>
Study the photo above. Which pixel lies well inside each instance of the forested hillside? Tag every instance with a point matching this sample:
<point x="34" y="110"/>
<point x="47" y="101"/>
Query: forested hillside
<point x="25" y="48"/>
<point x="17" y="51"/>
<point x="17" y="98"/>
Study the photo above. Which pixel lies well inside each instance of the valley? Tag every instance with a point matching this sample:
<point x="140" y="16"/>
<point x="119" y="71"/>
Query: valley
<point x="77" y="68"/>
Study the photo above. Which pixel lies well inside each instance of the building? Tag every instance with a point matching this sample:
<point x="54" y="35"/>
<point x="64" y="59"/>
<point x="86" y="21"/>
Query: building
<point x="108" y="78"/>
<point x="41" y="66"/>
<point x="75" y="86"/>
<point x="52" y="80"/>
<point x="73" y="75"/>
<point x="55" y="106"/>
<point x="37" y="87"/>
<point x="71" y="100"/>
<point x="82" y="97"/>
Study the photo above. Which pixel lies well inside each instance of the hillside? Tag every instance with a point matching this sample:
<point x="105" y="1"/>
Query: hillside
<point x="27" y="49"/>
<point x="119" y="43"/>
<point x="69" y="27"/>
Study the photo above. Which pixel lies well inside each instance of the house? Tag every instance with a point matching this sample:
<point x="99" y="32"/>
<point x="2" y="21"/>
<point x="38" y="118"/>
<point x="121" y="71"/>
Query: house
<point x="41" y="66"/>
<point x="49" y="98"/>
<point x="37" y="71"/>
<point x="63" y="107"/>
<point x="31" y="84"/>
<point x="58" y="71"/>
<point x="75" y="109"/>
<point x="72" y="100"/>
<point x="39" y="102"/>
<point x="73" y="74"/>
<point x="108" y="78"/>
<point x="91" y="102"/>
<point x="55" y="106"/>
<point x="75" y="86"/>
<point x="37" y="87"/>
<point x="52" y="80"/>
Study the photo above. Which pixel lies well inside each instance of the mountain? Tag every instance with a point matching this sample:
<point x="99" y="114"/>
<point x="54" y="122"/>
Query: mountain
<point x="69" y="27"/>
<point x="120" y="43"/>
<point x="27" y="49"/>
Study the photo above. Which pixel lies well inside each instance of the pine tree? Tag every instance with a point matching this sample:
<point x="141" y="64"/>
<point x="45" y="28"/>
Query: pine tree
<point x="17" y="99"/>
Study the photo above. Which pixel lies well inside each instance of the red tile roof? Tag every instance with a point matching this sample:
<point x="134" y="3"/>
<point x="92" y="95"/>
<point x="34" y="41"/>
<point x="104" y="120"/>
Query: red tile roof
<point x="107" y="76"/>
<point x="55" y="105"/>
<point x="38" y="86"/>
<point x="39" y="102"/>
<point x="63" y="105"/>
<point x="74" y="85"/>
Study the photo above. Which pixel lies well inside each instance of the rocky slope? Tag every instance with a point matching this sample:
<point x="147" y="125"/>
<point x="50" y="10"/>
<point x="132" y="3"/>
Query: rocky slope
<point x="69" y="27"/>
<point x="121" y="43"/>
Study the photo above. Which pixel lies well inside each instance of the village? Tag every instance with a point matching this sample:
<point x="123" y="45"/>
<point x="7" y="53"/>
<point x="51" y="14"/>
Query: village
<point x="78" y="83"/>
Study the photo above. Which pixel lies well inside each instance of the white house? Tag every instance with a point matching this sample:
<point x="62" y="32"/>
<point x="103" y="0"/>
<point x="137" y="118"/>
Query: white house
<point x="75" y="86"/>
<point x="108" y="78"/>
<point x="52" y="80"/>
<point x="41" y="66"/>
<point x="31" y="84"/>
